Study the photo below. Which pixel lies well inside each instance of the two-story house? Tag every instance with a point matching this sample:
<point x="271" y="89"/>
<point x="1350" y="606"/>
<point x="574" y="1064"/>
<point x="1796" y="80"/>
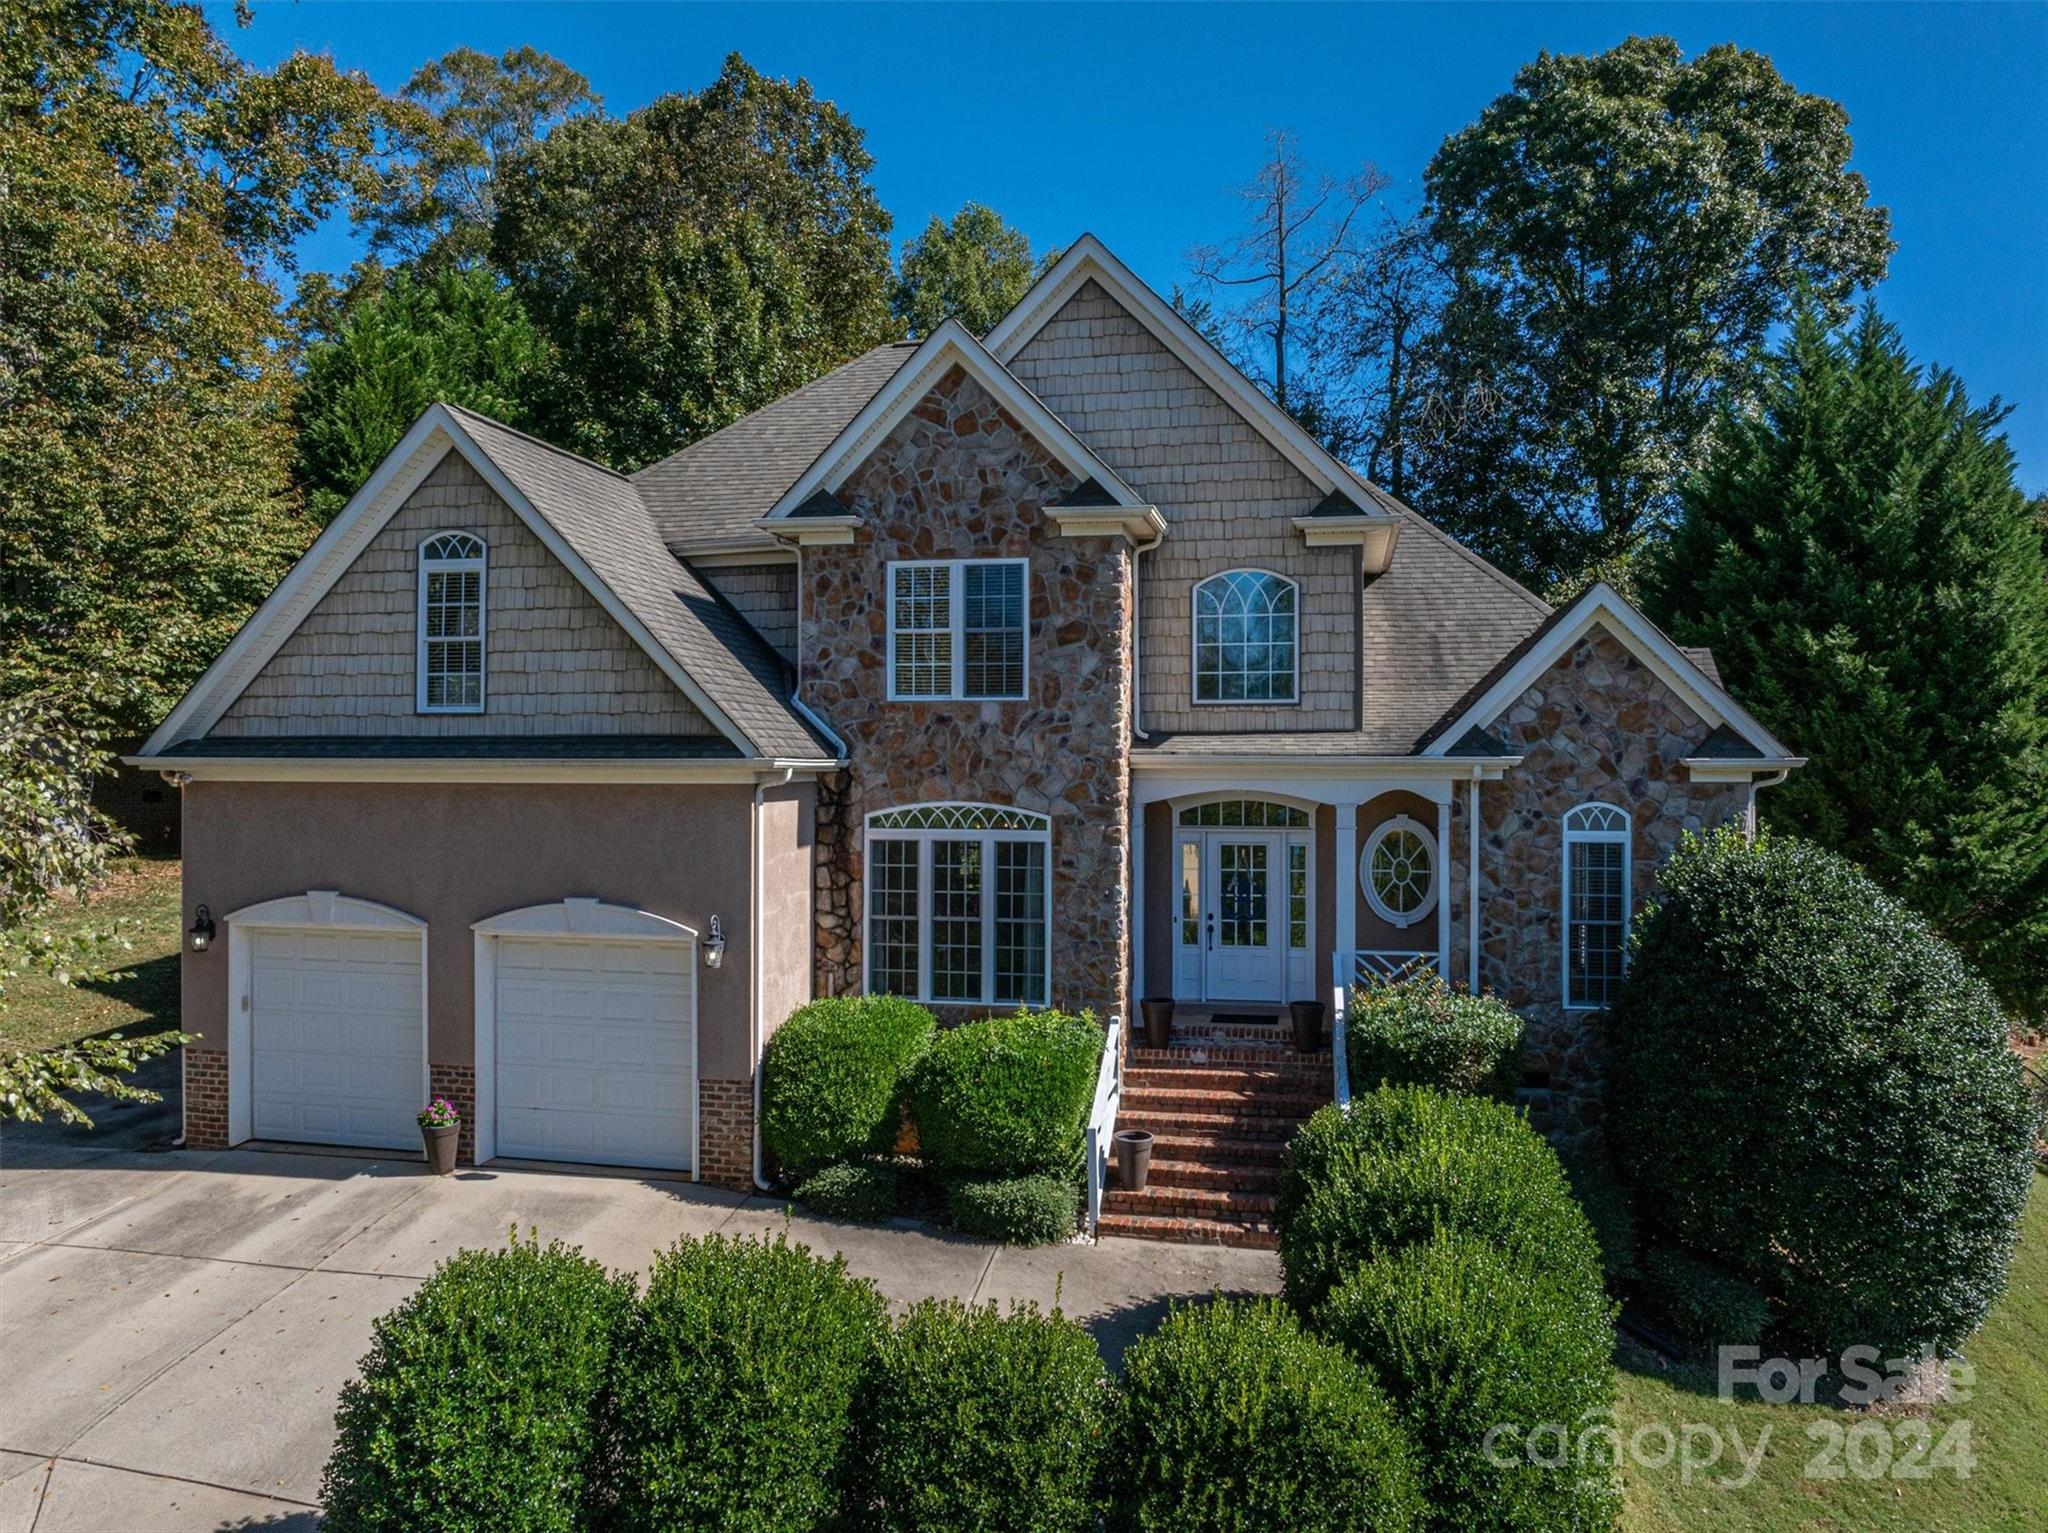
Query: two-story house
<point x="1055" y="667"/>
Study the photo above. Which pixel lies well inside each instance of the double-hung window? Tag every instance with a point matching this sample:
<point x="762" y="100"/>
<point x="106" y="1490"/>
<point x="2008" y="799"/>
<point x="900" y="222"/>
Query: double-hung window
<point x="1596" y="904"/>
<point x="957" y="629"/>
<point x="451" y="624"/>
<point x="959" y="903"/>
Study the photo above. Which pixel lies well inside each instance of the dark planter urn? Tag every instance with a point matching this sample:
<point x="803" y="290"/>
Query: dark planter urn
<point x="1308" y="1024"/>
<point x="1158" y="1021"/>
<point x="441" y="1144"/>
<point x="1133" y="1158"/>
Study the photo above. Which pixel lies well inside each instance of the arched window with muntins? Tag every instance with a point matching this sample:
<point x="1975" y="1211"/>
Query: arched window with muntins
<point x="1247" y="625"/>
<point x="959" y="904"/>
<point x="451" y="623"/>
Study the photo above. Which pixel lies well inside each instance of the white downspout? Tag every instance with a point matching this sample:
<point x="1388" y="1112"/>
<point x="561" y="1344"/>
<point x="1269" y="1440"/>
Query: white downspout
<point x="755" y="856"/>
<point x="1756" y="786"/>
<point x="1138" y="551"/>
<point x="1472" y="894"/>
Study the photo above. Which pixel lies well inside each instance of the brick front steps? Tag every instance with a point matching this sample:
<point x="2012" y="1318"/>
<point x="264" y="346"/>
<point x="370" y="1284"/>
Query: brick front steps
<point x="1221" y="1104"/>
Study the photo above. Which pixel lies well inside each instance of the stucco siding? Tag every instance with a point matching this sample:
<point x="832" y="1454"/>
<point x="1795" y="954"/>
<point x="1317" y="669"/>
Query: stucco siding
<point x="1228" y="497"/>
<point x="555" y="661"/>
<point x="765" y="595"/>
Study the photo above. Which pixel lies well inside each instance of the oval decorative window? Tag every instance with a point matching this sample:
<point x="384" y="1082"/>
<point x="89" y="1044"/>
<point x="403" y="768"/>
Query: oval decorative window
<point x="1397" y="871"/>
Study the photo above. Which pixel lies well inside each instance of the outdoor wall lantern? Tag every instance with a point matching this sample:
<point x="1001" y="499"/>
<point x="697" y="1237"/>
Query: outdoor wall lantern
<point x="714" y="946"/>
<point x="202" y="930"/>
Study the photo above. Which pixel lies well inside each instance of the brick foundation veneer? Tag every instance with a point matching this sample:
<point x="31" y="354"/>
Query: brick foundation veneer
<point x="206" y="1098"/>
<point x="725" y="1133"/>
<point x="458" y="1084"/>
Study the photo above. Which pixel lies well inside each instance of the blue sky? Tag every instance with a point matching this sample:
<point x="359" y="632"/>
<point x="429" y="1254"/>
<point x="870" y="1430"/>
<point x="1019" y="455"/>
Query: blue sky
<point x="1137" y="121"/>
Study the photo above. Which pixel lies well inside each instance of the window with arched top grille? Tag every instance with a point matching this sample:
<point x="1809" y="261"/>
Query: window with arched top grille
<point x="451" y="623"/>
<point x="1246" y="630"/>
<point x="959" y="904"/>
<point x="1596" y="904"/>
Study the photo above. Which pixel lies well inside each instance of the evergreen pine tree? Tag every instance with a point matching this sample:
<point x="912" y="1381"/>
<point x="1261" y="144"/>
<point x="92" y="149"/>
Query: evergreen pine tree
<point x="1874" y="586"/>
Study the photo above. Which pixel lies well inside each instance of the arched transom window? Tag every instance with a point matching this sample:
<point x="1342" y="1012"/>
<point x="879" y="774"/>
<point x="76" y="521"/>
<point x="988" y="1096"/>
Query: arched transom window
<point x="1397" y="870"/>
<point x="1246" y="624"/>
<point x="451" y="624"/>
<point x="1596" y="903"/>
<point x="959" y="902"/>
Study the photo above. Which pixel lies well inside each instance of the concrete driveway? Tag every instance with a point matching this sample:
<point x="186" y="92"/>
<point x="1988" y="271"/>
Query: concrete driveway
<point x="176" y="1325"/>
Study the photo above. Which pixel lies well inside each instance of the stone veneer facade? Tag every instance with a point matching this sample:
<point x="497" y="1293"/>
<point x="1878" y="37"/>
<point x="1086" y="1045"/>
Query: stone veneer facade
<point x="959" y="477"/>
<point x="1599" y="725"/>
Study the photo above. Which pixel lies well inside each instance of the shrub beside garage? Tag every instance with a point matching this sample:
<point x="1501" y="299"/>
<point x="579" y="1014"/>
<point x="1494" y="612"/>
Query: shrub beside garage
<point x="833" y="1079"/>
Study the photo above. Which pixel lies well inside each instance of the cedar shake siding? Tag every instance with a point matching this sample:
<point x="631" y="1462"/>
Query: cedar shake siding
<point x="959" y="478"/>
<point x="763" y="594"/>
<point x="1228" y="497"/>
<point x="555" y="662"/>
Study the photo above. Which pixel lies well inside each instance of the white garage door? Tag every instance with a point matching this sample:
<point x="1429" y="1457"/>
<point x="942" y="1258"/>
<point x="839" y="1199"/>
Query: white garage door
<point x="596" y="1051"/>
<point x="336" y="1043"/>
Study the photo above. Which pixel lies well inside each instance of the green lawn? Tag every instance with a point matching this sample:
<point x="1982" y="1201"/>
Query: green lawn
<point x="141" y="996"/>
<point x="2007" y="1414"/>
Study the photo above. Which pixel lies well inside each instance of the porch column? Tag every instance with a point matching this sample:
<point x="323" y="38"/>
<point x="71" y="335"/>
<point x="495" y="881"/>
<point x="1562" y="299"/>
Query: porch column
<point x="1136" y="915"/>
<point x="1443" y="897"/>
<point x="1344" y="940"/>
<point x="1472" y="892"/>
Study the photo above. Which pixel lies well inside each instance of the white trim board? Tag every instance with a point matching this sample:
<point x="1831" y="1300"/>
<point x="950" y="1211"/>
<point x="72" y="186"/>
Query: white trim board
<point x="1603" y="606"/>
<point x="952" y="344"/>
<point x="369" y="511"/>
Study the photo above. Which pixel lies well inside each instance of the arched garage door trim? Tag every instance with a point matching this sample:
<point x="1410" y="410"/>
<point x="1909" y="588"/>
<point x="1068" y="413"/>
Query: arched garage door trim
<point x="565" y="918"/>
<point x="325" y="910"/>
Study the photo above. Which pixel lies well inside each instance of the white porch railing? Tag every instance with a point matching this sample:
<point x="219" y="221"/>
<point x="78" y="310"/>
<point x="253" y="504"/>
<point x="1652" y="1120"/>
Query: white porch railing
<point x="1109" y="1090"/>
<point x="1362" y="966"/>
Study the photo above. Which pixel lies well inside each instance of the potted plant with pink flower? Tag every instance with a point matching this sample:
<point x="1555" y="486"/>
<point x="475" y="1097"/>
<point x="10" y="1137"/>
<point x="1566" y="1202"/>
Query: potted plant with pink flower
<point x="440" y="1126"/>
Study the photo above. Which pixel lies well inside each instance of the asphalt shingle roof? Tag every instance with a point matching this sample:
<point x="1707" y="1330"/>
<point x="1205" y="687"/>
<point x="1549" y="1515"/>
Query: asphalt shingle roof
<point x="601" y="516"/>
<point x="714" y="490"/>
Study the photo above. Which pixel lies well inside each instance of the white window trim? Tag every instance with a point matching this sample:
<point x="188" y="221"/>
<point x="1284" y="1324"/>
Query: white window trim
<point x="452" y="566"/>
<point x="956" y="598"/>
<point x="1573" y="835"/>
<point x="924" y="837"/>
<point x="1379" y="905"/>
<point x="1195" y="649"/>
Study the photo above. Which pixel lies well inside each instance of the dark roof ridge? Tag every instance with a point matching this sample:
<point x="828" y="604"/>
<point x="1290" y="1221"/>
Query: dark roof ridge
<point x="527" y="436"/>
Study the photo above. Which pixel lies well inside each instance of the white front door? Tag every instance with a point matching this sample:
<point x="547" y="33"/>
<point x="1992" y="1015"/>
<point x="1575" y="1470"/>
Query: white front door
<point x="1247" y="927"/>
<point x="336" y="1045"/>
<point x="596" y="1051"/>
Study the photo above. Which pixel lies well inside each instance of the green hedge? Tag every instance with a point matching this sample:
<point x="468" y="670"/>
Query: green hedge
<point x="1419" y="1031"/>
<point x="976" y="1419"/>
<point x="736" y="1387"/>
<point x="1008" y="1096"/>
<point x="833" y="1079"/>
<point x="1018" y="1210"/>
<point x="1231" y="1420"/>
<point x="850" y="1192"/>
<point x="1407" y="1159"/>
<point x="1702" y="1301"/>
<point x="1607" y="1207"/>
<point x="481" y="1399"/>
<point x="1465" y="1338"/>
<point x="1813" y="1088"/>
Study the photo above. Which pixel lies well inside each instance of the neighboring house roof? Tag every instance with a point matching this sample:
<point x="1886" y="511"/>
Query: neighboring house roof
<point x="458" y="748"/>
<point x="712" y="492"/>
<point x="1603" y="606"/>
<point x="592" y="520"/>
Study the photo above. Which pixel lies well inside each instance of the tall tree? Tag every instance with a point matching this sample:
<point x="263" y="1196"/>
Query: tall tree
<point x="459" y="336"/>
<point x="1623" y="232"/>
<point x="694" y="261"/>
<point x="475" y="115"/>
<point x="1299" y="241"/>
<point x="1383" y="321"/>
<point x="973" y="269"/>
<point x="148" y="183"/>
<point x="1873" y="585"/>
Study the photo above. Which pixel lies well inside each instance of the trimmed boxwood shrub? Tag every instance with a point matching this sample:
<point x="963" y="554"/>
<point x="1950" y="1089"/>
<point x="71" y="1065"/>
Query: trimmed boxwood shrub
<point x="1465" y="1337"/>
<point x="1018" y="1210"/>
<point x="850" y="1192"/>
<point x="1419" y="1031"/>
<point x="833" y="1079"/>
<point x="736" y="1386"/>
<point x="976" y="1419"/>
<point x="1702" y="1301"/>
<point x="1813" y="1088"/>
<point x="480" y="1402"/>
<point x="1007" y="1096"/>
<point x="1407" y="1159"/>
<point x="1231" y="1420"/>
<point x="1605" y="1201"/>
